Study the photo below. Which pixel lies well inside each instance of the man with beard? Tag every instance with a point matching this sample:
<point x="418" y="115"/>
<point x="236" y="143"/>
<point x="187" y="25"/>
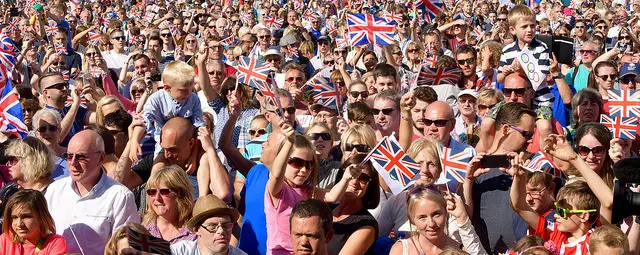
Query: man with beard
<point x="486" y="190"/>
<point x="466" y="56"/>
<point x="423" y="96"/>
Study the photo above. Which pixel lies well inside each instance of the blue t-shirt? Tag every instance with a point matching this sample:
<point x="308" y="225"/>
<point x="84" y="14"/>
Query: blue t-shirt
<point x="561" y="111"/>
<point x="61" y="169"/>
<point x="78" y="122"/>
<point x="253" y="237"/>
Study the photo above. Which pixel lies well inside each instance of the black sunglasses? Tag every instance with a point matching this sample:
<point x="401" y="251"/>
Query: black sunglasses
<point x="260" y="132"/>
<point x="363" y="94"/>
<point x="44" y="128"/>
<point x="163" y="192"/>
<point x="628" y="79"/>
<point x="606" y="77"/>
<point x="438" y="123"/>
<point x="519" y="91"/>
<point x="526" y="134"/>
<point x="468" y="61"/>
<point x="483" y="107"/>
<point x="386" y="111"/>
<point x="290" y="110"/>
<point x="317" y="136"/>
<point x="119" y="38"/>
<point x="358" y="147"/>
<point x="58" y="86"/>
<point x="299" y="163"/>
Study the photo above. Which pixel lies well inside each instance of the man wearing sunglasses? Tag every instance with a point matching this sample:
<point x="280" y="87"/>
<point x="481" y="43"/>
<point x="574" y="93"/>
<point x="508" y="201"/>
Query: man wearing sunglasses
<point x="490" y="191"/>
<point x="578" y="78"/>
<point x="466" y="56"/>
<point x="324" y="47"/>
<point x="117" y="57"/>
<point x="88" y="206"/>
<point x="628" y="76"/>
<point x="386" y="113"/>
<point x="439" y="122"/>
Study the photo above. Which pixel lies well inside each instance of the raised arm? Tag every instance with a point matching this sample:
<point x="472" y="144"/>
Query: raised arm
<point x="76" y="39"/>
<point x="276" y="173"/>
<point x="225" y="144"/>
<point x="123" y="173"/>
<point x="565" y="91"/>
<point x="518" y="193"/>
<point x="70" y="117"/>
<point x="203" y="76"/>
<point x="219" y="182"/>
<point x="407" y="102"/>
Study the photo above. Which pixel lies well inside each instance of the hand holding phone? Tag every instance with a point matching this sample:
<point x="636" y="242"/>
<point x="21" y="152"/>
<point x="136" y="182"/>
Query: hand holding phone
<point x="495" y="161"/>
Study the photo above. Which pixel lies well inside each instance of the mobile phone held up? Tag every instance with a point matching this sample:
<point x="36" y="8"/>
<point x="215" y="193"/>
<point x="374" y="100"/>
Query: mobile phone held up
<point x="495" y="161"/>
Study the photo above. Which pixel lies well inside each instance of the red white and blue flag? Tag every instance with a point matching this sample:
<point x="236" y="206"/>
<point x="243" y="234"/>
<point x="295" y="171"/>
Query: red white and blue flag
<point x="341" y="42"/>
<point x="454" y="162"/>
<point x="252" y="72"/>
<point x="331" y="28"/>
<point x="430" y="60"/>
<point x="292" y="52"/>
<point x="273" y="22"/>
<point x="8" y="52"/>
<point x="95" y="71"/>
<point x="51" y="29"/>
<point x="229" y="41"/>
<point x="325" y="92"/>
<point x="437" y="76"/>
<point x="13" y="24"/>
<point x="268" y="90"/>
<point x="393" y="164"/>
<point x="95" y="38"/>
<point x="60" y="48"/>
<point x="147" y="243"/>
<point x="624" y="103"/>
<point x="620" y="127"/>
<point x="392" y="17"/>
<point x="174" y="30"/>
<point x="542" y="162"/>
<point x="245" y="17"/>
<point x="11" y="115"/>
<point x="430" y="8"/>
<point x="564" y="19"/>
<point x="367" y="29"/>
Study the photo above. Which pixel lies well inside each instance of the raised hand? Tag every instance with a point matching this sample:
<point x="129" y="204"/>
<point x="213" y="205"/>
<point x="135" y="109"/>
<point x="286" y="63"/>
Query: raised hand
<point x="287" y="130"/>
<point x="407" y="102"/>
<point x="557" y="146"/>
<point x="619" y="149"/>
<point x="205" y="140"/>
<point x="352" y="172"/>
<point x="473" y="168"/>
<point x="456" y="207"/>
<point x="201" y="58"/>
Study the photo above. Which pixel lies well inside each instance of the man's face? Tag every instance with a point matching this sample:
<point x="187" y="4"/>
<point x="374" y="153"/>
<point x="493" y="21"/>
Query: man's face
<point x="402" y="27"/>
<point x="215" y="50"/>
<point x="432" y="44"/>
<point x="216" y="73"/>
<point x="516" y="141"/>
<point x="246" y="43"/>
<point x="323" y="46"/>
<point x="502" y="18"/>
<point x="438" y="125"/>
<point x="467" y="62"/>
<point x="166" y="36"/>
<point x="292" y="17"/>
<point x="60" y="38"/>
<point x="386" y="115"/>
<point x="155" y="46"/>
<point x="328" y="117"/>
<point x="418" y="113"/>
<point x="55" y="89"/>
<point x="516" y="89"/>
<point x="120" y="137"/>
<point x="307" y="236"/>
<point x="294" y="79"/>
<point x="176" y="148"/>
<point x="588" y="52"/>
<point x="580" y="28"/>
<point x="264" y="38"/>
<point x="221" y="28"/>
<point x="140" y="67"/>
<point x="87" y="160"/>
<point x="385" y="83"/>
<point x="117" y="40"/>
<point x="524" y="29"/>
<point x="288" y="111"/>
<point x="215" y="233"/>
<point x="467" y="105"/>
<point x="493" y="17"/>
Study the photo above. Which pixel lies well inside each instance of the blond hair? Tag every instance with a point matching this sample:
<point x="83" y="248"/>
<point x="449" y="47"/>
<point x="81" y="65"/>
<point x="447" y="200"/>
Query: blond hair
<point x="360" y="133"/>
<point x="175" y="178"/>
<point x="608" y="236"/>
<point x="107" y="100"/>
<point x="578" y="196"/>
<point x="121" y="232"/>
<point x="178" y="73"/>
<point x="521" y="12"/>
<point x="422" y="145"/>
<point x="34" y="156"/>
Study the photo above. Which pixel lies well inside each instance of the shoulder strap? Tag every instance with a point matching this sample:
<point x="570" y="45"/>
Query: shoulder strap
<point x="576" y="70"/>
<point x="405" y="246"/>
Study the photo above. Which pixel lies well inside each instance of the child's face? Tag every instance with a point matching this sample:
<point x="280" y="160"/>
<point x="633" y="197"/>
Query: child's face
<point x="180" y="92"/>
<point x="24" y="222"/>
<point x="538" y="197"/>
<point x="571" y="222"/>
<point x="299" y="174"/>
<point x="525" y="30"/>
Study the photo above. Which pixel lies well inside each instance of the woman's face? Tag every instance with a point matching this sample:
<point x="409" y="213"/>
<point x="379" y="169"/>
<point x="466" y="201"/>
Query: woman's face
<point x="137" y="90"/>
<point x="360" y="91"/>
<point x="318" y="137"/>
<point x="191" y="43"/>
<point x="429" y="172"/>
<point x="606" y="77"/>
<point x="24" y="222"/>
<point x="371" y="85"/>
<point x="429" y="218"/>
<point x="47" y="130"/>
<point x="356" y="188"/>
<point x="298" y="175"/>
<point x="588" y="111"/>
<point x="110" y="108"/>
<point x="258" y="128"/>
<point x="163" y="200"/>
<point x="594" y="158"/>
<point x="15" y="168"/>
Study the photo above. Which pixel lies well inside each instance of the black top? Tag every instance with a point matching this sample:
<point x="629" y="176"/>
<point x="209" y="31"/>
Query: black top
<point x="344" y="229"/>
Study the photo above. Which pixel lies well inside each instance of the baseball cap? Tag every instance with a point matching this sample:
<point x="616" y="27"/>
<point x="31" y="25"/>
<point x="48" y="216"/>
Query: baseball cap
<point x="630" y="68"/>
<point x="324" y="38"/>
<point x="470" y="92"/>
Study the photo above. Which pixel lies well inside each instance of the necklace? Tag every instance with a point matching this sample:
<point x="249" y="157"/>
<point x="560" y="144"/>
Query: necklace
<point x="419" y="246"/>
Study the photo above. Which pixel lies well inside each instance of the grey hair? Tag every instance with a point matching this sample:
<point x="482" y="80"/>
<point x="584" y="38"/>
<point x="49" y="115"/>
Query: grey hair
<point x="45" y="112"/>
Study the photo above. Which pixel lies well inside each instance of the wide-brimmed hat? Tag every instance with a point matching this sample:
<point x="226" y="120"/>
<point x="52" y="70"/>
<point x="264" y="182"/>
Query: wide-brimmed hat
<point x="207" y="207"/>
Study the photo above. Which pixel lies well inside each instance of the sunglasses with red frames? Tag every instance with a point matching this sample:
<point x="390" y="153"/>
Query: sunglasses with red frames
<point x="298" y="163"/>
<point x="163" y="192"/>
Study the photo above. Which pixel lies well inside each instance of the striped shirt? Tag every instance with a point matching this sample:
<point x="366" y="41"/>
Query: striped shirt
<point x="539" y="50"/>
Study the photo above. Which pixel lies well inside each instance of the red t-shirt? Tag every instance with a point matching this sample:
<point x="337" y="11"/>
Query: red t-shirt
<point x="534" y="146"/>
<point x="53" y="245"/>
<point x="548" y="230"/>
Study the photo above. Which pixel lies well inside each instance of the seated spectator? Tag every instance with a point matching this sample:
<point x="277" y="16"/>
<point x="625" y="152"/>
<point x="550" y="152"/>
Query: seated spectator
<point x="119" y="240"/>
<point x="46" y="124"/>
<point x="311" y="218"/>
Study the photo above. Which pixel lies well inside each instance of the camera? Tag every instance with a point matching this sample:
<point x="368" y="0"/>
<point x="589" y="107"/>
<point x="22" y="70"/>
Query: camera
<point x="625" y="201"/>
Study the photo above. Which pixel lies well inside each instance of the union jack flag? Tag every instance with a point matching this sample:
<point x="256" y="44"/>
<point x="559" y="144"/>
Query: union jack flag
<point x="13" y="24"/>
<point x="11" y="115"/>
<point x="544" y="163"/>
<point x="368" y="29"/>
<point x="273" y="22"/>
<point x="147" y="243"/>
<point x="28" y="6"/>
<point x="134" y="40"/>
<point x="341" y="42"/>
<point x="245" y="17"/>
<point x="229" y="41"/>
<point x="292" y="52"/>
<point x="51" y="28"/>
<point x="621" y="127"/>
<point x="624" y="103"/>
<point x="8" y="52"/>
<point x="477" y="32"/>
<point x="60" y="48"/>
<point x="174" y="30"/>
<point x="564" y="19"/>
<point x="392" y="17"/>
<point x="331" y="28"/>
<point x="325" y="92"/>
<point x="95" y="71"/>
<point x="430" y="60"/>
<point x="268" y="90"/>
<point x="431" y="76"/>
<point x="102" y="21"/>
<point x="395" y="166"/>
<point x="252" y="72"/>
<point x="430" y="8"/>
<point x="309" y="15"/>
<point x="454" y="162"/>
<point x="95" y="38"/>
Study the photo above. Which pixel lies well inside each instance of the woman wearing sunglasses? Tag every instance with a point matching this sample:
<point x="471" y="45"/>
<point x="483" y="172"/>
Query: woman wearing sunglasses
<point x="46" y="125"/>
<point x="293" y="178"/>
<point x="355" y="229"/>
<point x="321" y="138"/>
<point x="592" y="144"/>
<point x="190" y="47"/>
<point x="603" y="78"/>
<point x="168" y="205"/>
<point x="430" y="212"/>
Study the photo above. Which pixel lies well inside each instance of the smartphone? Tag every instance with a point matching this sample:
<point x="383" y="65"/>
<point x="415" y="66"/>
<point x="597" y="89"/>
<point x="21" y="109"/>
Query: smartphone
<point x="156" y="77"/>
<point x="495" y="161"/>
<point x="13" y="12"/>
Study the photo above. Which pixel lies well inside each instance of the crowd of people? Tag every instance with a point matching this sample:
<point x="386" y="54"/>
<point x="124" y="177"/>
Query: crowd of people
<point x="139" y="119"/>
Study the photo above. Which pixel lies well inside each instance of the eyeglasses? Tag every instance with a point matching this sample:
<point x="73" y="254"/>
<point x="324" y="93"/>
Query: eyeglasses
<point x="403" y="25"/>
<point x="289" y="110"/>
<point x="58" y="86"/>
<point x="587" y="52"/>
<point x="597" y="151"/>
<point x="563" y="212"/>
<point x="438" y="123"/>
<point x="119" y="38"/>
<point x="579" y="27"/>
<point x="526" y="134"/>
<point x="213" y="228"/>
<point x="216" y="73"/>
<point x="606" y="77"/>
<point x="484" y="107"/>
<point x="325" y="116"/>
<point x="504" y="19"/>
<point x="259" y="132"/>
<point x="356" y="94"/>
<point x="536" y="194"/>
<point x="165" y="35"/>
<point x="329" y="62"/>
<point x="323" y="43"/>
<point x="191" y="41"/>
<point x="317" y="136"/>
<point x="44" y="128"/>
<point x="298" y="163"/>
<point x="397" y="53"/>
<point x="12" y="160"/>
<point x="78" y="156"/>
<point x="628" y="79"/>
<point x="358" y="147"/>
<point x="264" y="36"/>
<point x="91" y="54"/>
<point x="468" y="61"/>
<point x="624" y="37"/>
<point x="412" y="50"/>
<point x="386" y="111"/>
<point x="339" y="52"/>
<point x="272" y="60"/>
<point x="297" y="79"/>
<point x="136" y="91"/>
<point x="340" y="83"/>
<point x="519" y="91"/>
<point x="364" y="178"/>
<point x="163" y="192"/>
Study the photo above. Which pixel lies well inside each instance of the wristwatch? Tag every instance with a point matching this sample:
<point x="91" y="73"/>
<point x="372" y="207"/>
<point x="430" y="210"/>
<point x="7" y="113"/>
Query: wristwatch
<point x="558" y="76"/>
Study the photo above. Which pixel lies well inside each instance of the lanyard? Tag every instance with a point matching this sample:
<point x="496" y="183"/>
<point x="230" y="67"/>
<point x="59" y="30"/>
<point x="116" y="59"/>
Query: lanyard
<point x="39" y="246"/>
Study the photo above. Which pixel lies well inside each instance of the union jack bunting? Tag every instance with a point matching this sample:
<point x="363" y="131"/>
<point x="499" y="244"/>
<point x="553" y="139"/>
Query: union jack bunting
<point x="620" y="127"/>
<point x="11" y="115"/>
<point x="252" y="72"/>
<point x="544" y="163"/>
<point x="325" y="92"/>
<point x="430" y="8"/>
<point x="431" y="76"/>
<point x="147" y="243"/>
<point x="392" y="17"/>
<point x="624" y="103"/>
<point x="367" y="29"/>
<point x="393" y="164"/>
<point x="60" y="48"/>
<point x="268" y="90"/>
<point x="565" y="19"/>
<point x="454" y="162"/>
<point x="95" y="38"/>
<point x="51" y="28"/>
<point x="13" y="24"/>
<point x="273" y="22"/>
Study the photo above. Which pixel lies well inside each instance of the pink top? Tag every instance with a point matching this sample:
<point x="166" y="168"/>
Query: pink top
<point x="278" y="236"/>
<point x="53" y="245"/>
<point x="111" y="90"/>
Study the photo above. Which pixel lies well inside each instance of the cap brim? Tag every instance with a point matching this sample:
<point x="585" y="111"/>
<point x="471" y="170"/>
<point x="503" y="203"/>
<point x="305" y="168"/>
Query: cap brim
<point x="198" y="219"/>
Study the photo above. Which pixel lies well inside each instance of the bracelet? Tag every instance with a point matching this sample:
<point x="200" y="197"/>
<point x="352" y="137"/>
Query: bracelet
<point x="405" y="118"/>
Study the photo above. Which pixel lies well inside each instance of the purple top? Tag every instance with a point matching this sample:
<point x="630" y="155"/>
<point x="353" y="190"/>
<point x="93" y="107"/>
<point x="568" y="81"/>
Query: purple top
<point x="183" y="234"/>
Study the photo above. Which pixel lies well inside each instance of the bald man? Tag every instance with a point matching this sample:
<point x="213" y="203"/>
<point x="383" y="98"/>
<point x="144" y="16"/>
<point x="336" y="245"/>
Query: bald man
<point x="179" y="146"/>
<point x="88" y="206"/>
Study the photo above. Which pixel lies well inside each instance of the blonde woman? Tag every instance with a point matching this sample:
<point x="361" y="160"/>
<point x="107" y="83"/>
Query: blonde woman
<point x="414" y="53"/>
<point x="190" y="48"/>
<point x="106" y="105"/>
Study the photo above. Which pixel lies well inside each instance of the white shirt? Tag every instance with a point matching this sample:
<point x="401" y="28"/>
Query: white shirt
<point x="115" y="60"/>
<point x="186" y="247"/>
<point x="90" y="220"/>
